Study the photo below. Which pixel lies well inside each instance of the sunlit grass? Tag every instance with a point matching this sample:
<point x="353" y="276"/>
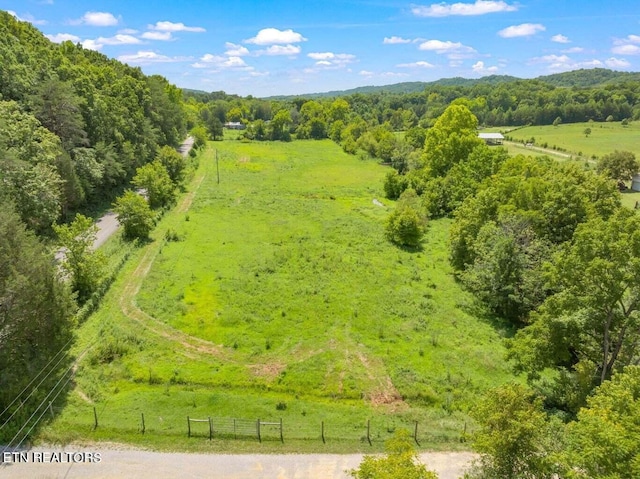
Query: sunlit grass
<point x="284" y="268"/>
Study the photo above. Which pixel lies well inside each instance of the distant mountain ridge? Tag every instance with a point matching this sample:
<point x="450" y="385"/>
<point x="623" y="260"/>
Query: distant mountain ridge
<point x="582" y="78"/>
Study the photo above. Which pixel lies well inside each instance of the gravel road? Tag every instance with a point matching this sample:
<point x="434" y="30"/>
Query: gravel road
<point x="157" y="465"/>
<point x="108" y="224"/>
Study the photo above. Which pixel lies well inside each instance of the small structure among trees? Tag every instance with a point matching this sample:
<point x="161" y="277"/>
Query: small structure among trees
<point x="492" y="138"/>
<point x="234" y="125"/>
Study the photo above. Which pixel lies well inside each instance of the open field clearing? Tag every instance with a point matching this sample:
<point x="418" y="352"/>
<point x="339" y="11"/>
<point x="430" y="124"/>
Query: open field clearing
<point x="605" y="137"/>
<point x="282" y="300"/>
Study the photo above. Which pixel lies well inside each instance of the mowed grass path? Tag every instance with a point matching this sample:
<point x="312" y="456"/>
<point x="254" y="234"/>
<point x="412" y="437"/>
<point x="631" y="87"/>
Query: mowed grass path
<point x="311" y="313"/>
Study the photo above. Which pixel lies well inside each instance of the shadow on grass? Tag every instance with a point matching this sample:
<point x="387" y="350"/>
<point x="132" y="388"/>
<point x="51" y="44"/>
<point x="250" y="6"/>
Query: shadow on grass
<point x="410" y="249"/>
<point x="476" y="308"/>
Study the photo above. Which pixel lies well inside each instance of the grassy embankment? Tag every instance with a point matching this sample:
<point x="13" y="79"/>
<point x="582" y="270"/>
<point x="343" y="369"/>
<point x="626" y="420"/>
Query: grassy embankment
<point x="283" y="299"/>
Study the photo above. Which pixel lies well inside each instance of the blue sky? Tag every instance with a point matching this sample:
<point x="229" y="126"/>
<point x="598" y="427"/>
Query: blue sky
<point x="265" y="48"/>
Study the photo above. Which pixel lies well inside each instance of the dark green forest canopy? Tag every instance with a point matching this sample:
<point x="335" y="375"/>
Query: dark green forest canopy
<point x="101" y="119"/>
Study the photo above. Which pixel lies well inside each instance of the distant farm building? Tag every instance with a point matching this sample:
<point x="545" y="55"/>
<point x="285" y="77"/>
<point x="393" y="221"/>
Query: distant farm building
<point x="635" y="183"/>
<point x="491" y="138"/>
<point x="234" y="125"/>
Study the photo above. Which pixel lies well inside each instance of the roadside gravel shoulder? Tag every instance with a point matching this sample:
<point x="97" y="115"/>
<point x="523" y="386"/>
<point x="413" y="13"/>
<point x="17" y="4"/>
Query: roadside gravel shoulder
<point x="120" y="462"/>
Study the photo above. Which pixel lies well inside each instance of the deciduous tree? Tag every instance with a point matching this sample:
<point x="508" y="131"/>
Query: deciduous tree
<point x="590" y="327"/>
<point x="603" y="442"/>
<point x="400" y="462"/>
<point x="155" y="180"/>
<point x="85" y="266"/>
<point x="135" y="215"/>
<point x="619" y="165"/>
<point x="514" y="439"/>
<point x="406" y="224"/>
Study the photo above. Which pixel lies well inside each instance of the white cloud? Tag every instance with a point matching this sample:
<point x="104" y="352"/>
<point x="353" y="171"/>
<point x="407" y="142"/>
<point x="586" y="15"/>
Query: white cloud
<point x="617" y="63"/>
<point x="148" y="57"/>
<point x="259" y="74"/>
<point x="321" y="56"/>
<point x="560" y="39"/>
<point x="553" y="59"/>
<point x="523" y="30"/>
<point x="275" y="50"/>
<point x="118" y="39"/>
<point x="365" y="73"/>
<point x="588" y="64"/>
<point x="128" y="31"/>
<point x="63" y="37"/>
<point x="629" y="39"/>
<point x="395" y="40"/>
<point x="454" y="50"/>
<point x="573" y="50"/>
<point x="91" y="45"/>
<point x="330" y="59"/>
<point x="627" y="49"/>
<point x="234" y="50"/>
<point x="209" y="58"/>
<point x="219" y="62"/>
<point x="175" y="27"/>
<point x="161" y="36"/>
<point x="234" y="62"/>
<point x="420" y="64"/>
<point x="27" y="18"/>
<point x="96" y="19"/>
<point x="480" y="7"/>
<point x="393" y="74"/>
<point x="565" y="63"/>
<point x="273" y="36"/>
<point x="479" y="67"/>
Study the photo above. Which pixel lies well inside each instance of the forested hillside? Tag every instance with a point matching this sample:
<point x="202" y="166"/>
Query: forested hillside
<point x="74" y="127"/>
<point x="75" y="124"/>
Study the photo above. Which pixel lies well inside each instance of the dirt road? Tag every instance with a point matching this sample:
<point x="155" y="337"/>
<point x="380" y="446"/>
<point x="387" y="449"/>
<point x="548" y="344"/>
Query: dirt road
<point x="156" y="465"/>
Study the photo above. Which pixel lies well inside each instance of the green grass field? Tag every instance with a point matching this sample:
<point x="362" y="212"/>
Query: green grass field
<point x="605" y="137"/>
<point x="283" y="299"/>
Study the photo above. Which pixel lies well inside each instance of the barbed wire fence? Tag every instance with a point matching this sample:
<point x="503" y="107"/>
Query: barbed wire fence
<point x="453" y="430"/>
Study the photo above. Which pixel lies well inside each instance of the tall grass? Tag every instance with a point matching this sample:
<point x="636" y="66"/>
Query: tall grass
<point x="282" y="269"/>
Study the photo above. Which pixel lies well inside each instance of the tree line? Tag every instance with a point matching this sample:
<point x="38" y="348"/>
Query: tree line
<point x="548" y="249"/>
<point x="75" y="128"/>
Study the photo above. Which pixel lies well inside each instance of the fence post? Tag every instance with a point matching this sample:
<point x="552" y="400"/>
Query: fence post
<point x="95" y="418"/>
<point x="322" y="432"/>
<point x="210" y="429"/>
<point x="188" y="427"/>
<point x="235" y="434"/>
<point x="217" y="166"/>
<point x="143" y="427"/>
<point x="369" y="431"/>
<point x="281" y="436"/>
<point x="258" y="430"/>
<point x="51" y="409"/>
<point x="415" y="434"/>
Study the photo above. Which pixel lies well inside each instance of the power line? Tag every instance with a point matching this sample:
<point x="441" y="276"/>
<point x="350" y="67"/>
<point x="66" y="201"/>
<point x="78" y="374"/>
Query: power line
<point x="31" y="382"/>
<point x="45" y="400"/>
<point x="43" y="412"/>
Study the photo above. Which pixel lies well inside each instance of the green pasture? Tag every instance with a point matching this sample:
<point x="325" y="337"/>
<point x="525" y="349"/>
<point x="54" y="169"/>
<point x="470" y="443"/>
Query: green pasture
<point x="283" y="299"/>
<point x="605" y="137"/>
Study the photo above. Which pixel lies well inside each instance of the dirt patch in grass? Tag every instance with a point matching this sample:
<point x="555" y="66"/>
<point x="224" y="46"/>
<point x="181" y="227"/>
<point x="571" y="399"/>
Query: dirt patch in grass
<point x="267" y="370"/>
